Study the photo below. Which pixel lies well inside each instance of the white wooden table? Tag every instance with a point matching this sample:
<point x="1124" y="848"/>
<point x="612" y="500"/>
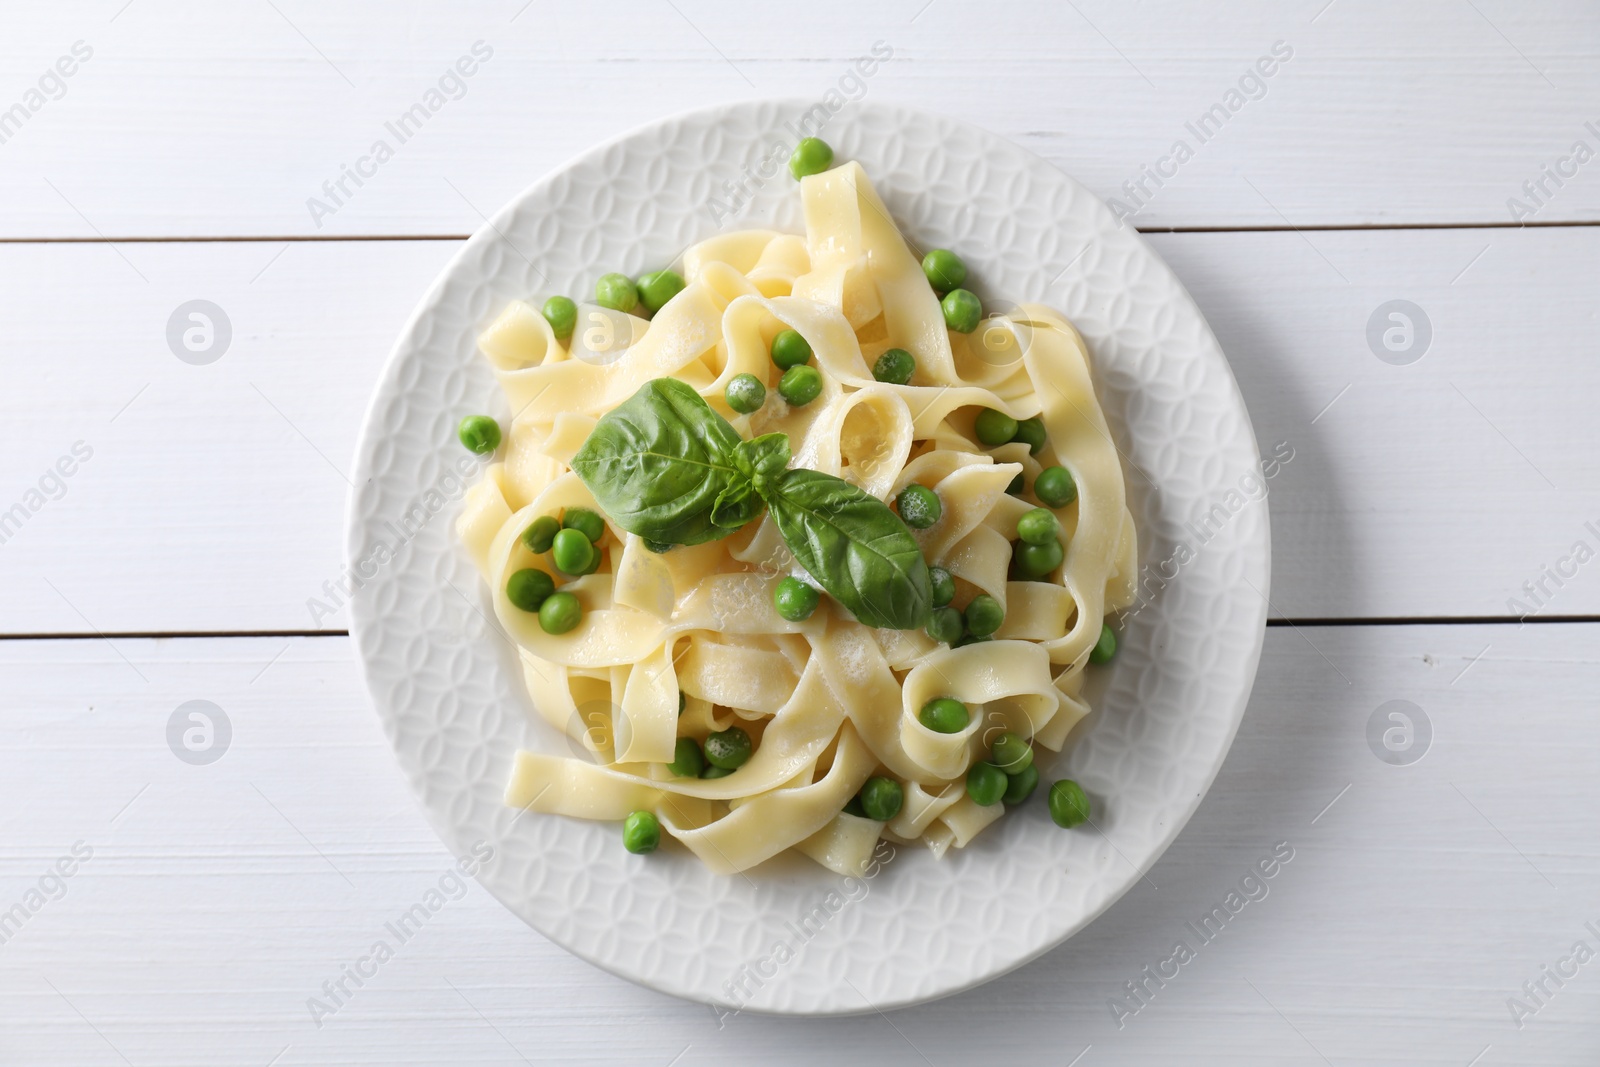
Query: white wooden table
<point x="203" y="513"/>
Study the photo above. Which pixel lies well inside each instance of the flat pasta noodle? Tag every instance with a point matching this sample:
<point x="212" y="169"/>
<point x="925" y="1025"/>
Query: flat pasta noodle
<point x="688" y="642"/>
<point x="845" y="845"/>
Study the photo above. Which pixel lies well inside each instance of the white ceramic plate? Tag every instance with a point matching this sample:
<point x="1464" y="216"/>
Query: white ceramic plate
<point x="791" y="937"/>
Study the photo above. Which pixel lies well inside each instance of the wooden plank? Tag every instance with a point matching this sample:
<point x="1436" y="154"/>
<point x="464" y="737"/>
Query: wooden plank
<point x="214" y="500"/>
<point x="1437" y="487"/>
<point x="219" y="898"/>
<point x="226" y="121"/>
<point x="215" y="495"/>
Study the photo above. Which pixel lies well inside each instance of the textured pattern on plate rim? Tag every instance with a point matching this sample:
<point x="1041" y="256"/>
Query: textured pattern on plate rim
<point x="448" y="688"/>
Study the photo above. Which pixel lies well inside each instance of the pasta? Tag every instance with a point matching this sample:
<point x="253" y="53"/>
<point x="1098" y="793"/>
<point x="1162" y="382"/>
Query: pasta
<point x="693" y="642"/>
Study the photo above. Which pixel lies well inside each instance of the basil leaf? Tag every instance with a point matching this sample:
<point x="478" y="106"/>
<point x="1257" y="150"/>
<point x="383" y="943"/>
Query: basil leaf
<point x="760" y="461"/>
<point x="662" y="465"/>
<point x="767" y="457"/>
<point x="855" y="547"/>
<point x="736" y="505"/>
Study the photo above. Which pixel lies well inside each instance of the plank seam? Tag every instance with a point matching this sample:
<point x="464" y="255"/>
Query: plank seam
<point x="1321" y="227"/>
<point x="1401" y="620"/>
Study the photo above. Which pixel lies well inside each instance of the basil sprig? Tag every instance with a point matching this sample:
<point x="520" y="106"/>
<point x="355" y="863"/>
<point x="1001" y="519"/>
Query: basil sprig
<point x="665" y="466"/>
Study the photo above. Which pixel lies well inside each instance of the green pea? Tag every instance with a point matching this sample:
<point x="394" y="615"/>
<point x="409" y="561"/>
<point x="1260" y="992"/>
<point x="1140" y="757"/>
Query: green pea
<point x="1011" y="752"/>
<point x="811" y="156"/>
<point x="1069" y="804"/>
<point x="571" y="551"/>
<point x="1020" y="786"/>
<point x="919" y="506"/>
<point x="562" y="315"/>
<point x="728" y="749"/>
<point x="683" y="702"/>
<point x="529" y="587"/>
<point x="656" y="288"/>
<point x="587" y="522"/>
<point x="944" y="715"/>
<point x="881" y="798"/>
<point x="1031" y="433"/>
<point x="641" y="832"/>
<point x="800" y="385"/>
<point x="617" y="292"/>
<point x="479" y="433"/>
<point x="1104" y="648"/>
<point x="1038" y="527"/>
<point x="789" y="349"/>
<point x="984" y="615"/>
<point x="713" y="771"/>
<point x="594" y="563"/>
<point x="944" y="270"/>
<point x="972" y="639"/>
<point x="559" y="613"/>
<point x="745" y="393"/>
<point x="687" y="762"/>
<point x="1035" y="561"/>
<point x="658" y="547"/>
<point x="895" y="367"/>
<point x="986" y="784"/>
<point x="540" y="533"/>
<point x="961" y="310"/>
<point x="994" y="427"/>
<point x="945" y="625"/>
<point x="944" y="586"/>
<point x="1017" y="487"/>
<point x="794" y="599"/>
<point x="1055" y="488"/>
